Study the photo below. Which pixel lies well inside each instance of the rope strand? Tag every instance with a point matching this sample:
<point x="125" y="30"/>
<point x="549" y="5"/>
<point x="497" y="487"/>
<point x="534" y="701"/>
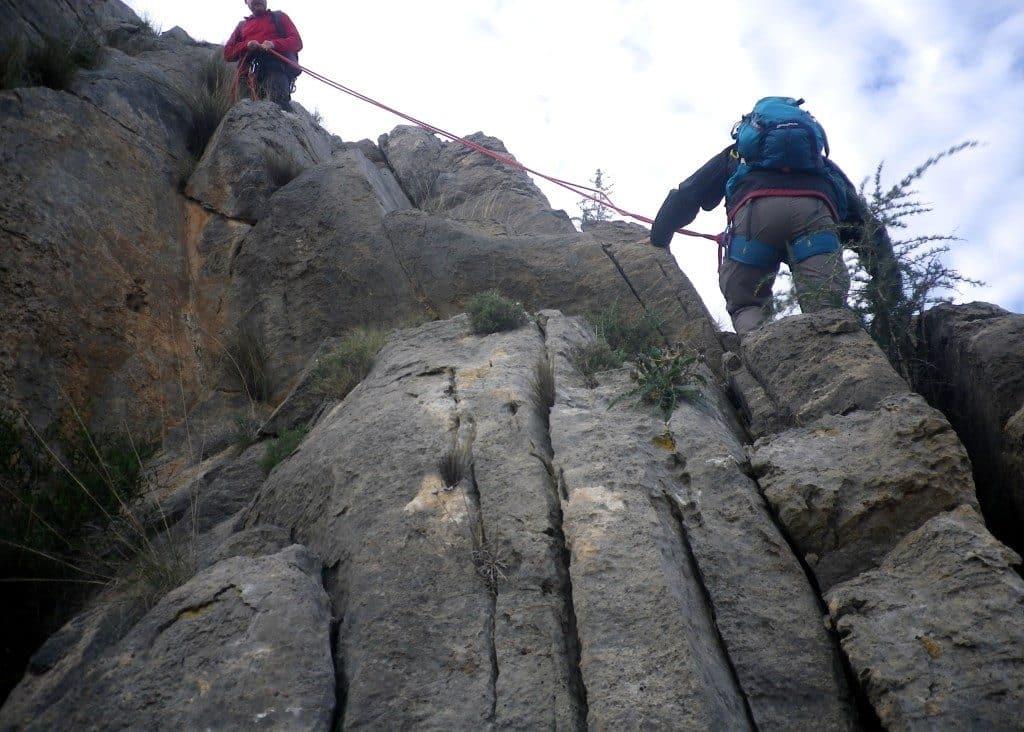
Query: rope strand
<point x="583" y="191"/>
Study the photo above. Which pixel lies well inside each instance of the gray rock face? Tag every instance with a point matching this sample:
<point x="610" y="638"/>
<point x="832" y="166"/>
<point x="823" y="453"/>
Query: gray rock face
<point x="436" y="493"/>
<point x="89" y="261"/>
<point x="936" y="632"/>
<point x="976" y="377"/>
<point x="450" y="179"/>
<point x="682" y="583"/>
<point x="575" y="273"/>
<point x="36" y="19"/>
<point x="820" y="363"/>
<point x="848" y="488"/>
<point x="427" y="492"/>
<point x="257" y="149"/>
<point x="243" y="644"/>
<point x="317" y="263"/>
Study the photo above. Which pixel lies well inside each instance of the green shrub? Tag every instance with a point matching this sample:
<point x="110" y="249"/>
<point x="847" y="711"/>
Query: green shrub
<point x="53" y="64"/>
<point x="349" y="363"/>
<point x="595" y="356"/>
<point x="208" y="104"/>
<point x="491" y="312"/>
<point x="280" y="448"/>
<point x="664" y="378"/>
<point x="893" y="280"/>
<point x="627" y="336"/>
<point x="247" y="430"/>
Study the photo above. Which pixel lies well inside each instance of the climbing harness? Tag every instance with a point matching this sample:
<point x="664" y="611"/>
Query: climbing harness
<point x="592" y="194"/>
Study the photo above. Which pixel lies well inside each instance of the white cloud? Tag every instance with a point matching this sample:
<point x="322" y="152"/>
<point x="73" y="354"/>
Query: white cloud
<point x="648" y="91"/>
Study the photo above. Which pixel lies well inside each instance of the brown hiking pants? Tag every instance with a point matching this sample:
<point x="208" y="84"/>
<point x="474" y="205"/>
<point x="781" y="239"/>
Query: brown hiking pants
<point x="774" y="225"/>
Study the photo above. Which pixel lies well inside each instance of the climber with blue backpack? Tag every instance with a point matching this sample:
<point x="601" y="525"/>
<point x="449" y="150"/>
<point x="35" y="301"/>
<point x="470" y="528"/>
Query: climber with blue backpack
<point x="265" y="75"/>
<point x="785" y="202"/>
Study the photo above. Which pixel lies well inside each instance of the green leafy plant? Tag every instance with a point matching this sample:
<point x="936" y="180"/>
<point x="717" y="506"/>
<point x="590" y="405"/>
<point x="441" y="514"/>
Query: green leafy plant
<point x="893" y="280"/>
<point x="491" y="312"/>
<point x="280" y="448"/>
<point x="348" y="363"/>
<point x="665" y="378"/>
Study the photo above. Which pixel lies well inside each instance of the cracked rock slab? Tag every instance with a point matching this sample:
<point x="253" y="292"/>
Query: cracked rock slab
<point x="427" y="492"/>
<point x="936" y="632"/>
<point x="975" y="374"/>
<point x="819" y="363"/>
<point x="650" y="655"/>
<point x="244" y="644"/>
<point x="848" y="488"/>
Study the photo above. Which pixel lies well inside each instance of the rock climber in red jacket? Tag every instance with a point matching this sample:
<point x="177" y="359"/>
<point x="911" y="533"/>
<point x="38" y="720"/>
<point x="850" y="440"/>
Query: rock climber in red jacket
<point x="266" y="76"/>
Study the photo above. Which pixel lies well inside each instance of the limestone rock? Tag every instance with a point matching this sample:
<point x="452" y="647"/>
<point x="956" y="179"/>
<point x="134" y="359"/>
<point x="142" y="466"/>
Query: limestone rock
<point x="36" y="19"/>
<point x="848" y="488"/>
<point x="317" y="263"/>
<point x="975" y="375"/>
<point x="935" y="633"/>
<point x="242" y="644"/>
<point x="450" y="179"/>
<point x="256" y="150"/>
<point x="304" y="402"/>
<point x="682" y="584"/>
<point x="427" y="493"/>
<point x="450" y="262"/>
<point x="819" y="363"/>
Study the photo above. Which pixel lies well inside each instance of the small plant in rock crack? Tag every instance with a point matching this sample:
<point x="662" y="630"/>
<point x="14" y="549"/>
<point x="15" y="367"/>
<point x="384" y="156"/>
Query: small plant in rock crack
<point x="542" y="387"/>
<point x="627" y="336"/>
<point x="454" y="465"/>
<point x="593" y="357"/>
<point x="280" y="448"/>
<point x="491" y="566"/>
<point x="247" y="431"/>
<point x="282" y="168"/>
<point x="664" y="378"/>
<point x="491" y="312"/>
<point x="349" y="363"/>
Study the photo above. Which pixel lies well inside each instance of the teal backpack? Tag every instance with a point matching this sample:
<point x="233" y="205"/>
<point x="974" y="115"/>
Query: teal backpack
<point x="778" y="135"/>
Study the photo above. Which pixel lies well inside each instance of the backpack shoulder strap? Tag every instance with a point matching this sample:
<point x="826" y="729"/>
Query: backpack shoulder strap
<point x="275" y="16"/>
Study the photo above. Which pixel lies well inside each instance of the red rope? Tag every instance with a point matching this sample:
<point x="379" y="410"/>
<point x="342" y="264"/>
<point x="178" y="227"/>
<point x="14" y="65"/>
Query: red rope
<point x="587" y="192"/>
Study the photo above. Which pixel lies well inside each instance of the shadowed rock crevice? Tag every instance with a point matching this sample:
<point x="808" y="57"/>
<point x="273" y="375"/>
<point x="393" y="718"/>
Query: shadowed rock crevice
<point x="486" y="562"/>
<point x="330" y="581"/>
<point x="544" y="395"/>
<point x="667" y="507"/>
<point x="867" y="717"/>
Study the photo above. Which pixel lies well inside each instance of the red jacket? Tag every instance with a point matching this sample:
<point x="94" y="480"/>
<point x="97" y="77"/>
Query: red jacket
<point x="261" y="28"/>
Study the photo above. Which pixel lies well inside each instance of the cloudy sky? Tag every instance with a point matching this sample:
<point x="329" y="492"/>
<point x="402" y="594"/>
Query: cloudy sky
<point x="647" y="90"/>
